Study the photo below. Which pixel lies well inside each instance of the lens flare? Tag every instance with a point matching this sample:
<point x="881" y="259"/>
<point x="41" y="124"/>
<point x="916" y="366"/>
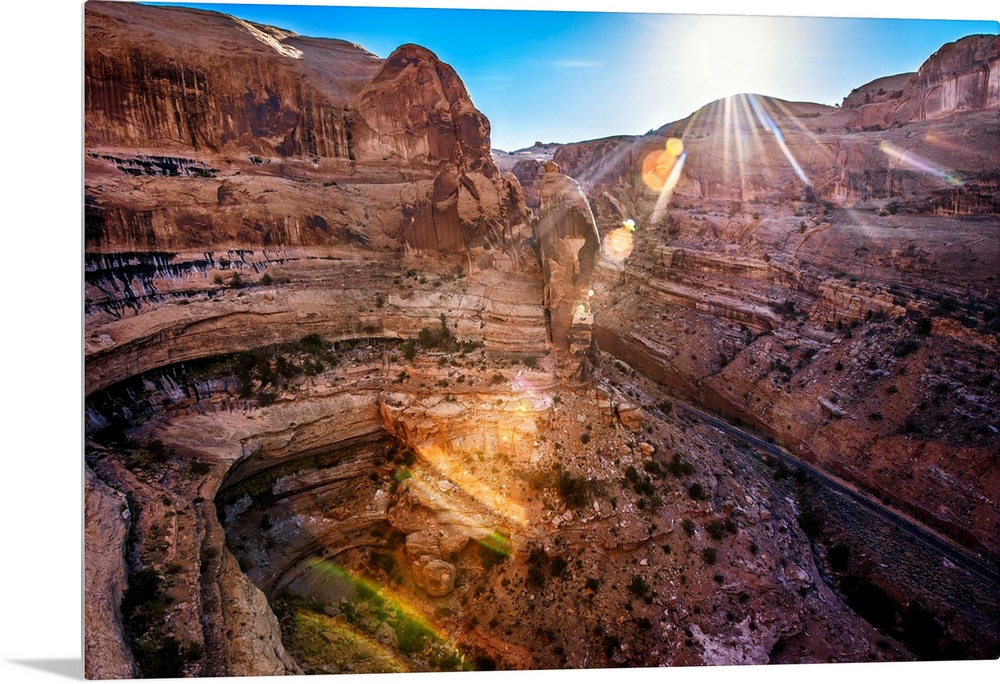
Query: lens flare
<point x="768" y="123"/>
<point x="438" y="464"/>
<point x="658" y="165"/>
<point x="498" y="543"/>
<point x="618" y="242"/>
<point x="666" y="191"/>
<point x="915" y="162"/>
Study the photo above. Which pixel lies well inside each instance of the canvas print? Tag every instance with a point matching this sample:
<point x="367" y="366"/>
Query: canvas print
<point x="454" y="340"/>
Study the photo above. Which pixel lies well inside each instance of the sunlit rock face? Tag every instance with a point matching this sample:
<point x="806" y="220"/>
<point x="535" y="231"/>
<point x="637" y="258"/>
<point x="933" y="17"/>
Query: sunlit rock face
<point x="961" y="76"/>
<point x="570" y="247"/>
<point x="416" y="108"/>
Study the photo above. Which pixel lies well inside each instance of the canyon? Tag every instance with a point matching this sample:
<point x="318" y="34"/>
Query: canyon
<point x="363" y="396"/>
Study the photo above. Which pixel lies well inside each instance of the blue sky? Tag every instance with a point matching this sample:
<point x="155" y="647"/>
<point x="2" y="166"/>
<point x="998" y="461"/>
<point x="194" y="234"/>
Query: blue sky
<point x="568" y="76"/>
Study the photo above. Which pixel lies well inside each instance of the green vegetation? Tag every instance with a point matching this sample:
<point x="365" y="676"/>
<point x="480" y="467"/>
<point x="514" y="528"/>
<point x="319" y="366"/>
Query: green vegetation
<point x="696" y="491"/>
<point x="678" y="467"/>
<point x="261" y="373"/>
<point x="638" y="586"/>
<point x="440" y="338"/>
<point x="575" y="490"/>
<point x="537" y="560"/>
<point x="715" y="529"/>
<point x="325" y="644"/>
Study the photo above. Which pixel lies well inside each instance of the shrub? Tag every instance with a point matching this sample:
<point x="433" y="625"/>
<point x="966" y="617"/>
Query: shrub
<point x="266" y="279"/>
<point x="688" y="526"/>
<point x="199" y="468"/>
<point x="715" y="529"/>
<point x="709" y="554"/>
<point x="574" y="490"/>
<point x="428" y="338"/>
<point x="536" y="559"/>
<point x="905" y="347"/>
<point x="696" y="491"/>
<point x="644" y="487"/>
<point x="638" y="586"/>
<point x="810" y="524"/>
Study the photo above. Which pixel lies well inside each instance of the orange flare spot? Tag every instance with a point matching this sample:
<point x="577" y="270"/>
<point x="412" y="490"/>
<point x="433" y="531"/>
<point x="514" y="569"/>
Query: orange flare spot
<point x="656" y="168"/>
<point x="618" y="244"/>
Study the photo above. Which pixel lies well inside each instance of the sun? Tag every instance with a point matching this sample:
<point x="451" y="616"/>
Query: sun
<point x="709" y="57"/>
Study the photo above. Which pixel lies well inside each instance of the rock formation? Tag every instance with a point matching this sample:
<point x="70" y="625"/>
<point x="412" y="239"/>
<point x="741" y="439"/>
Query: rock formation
<point x="960" y="77"/>
<point x="264" y="111"/>
<point x="570" y="246"/>
<point x="106" y="526"/>
<point x="341" y="415"/>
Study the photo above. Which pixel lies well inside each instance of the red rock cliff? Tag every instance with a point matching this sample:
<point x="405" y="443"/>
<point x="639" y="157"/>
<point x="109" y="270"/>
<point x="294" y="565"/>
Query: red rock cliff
<point x="199" y="124"/>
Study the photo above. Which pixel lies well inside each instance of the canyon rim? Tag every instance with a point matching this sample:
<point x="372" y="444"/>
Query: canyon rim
<point x="365" y="394"/>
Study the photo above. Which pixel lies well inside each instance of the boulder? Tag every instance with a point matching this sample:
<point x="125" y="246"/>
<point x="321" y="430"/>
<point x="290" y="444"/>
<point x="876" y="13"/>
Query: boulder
<point x="435" y="576"/>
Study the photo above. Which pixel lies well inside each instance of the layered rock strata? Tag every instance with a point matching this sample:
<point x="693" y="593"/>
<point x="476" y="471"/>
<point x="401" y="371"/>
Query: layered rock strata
<point x="391" y="152"/>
